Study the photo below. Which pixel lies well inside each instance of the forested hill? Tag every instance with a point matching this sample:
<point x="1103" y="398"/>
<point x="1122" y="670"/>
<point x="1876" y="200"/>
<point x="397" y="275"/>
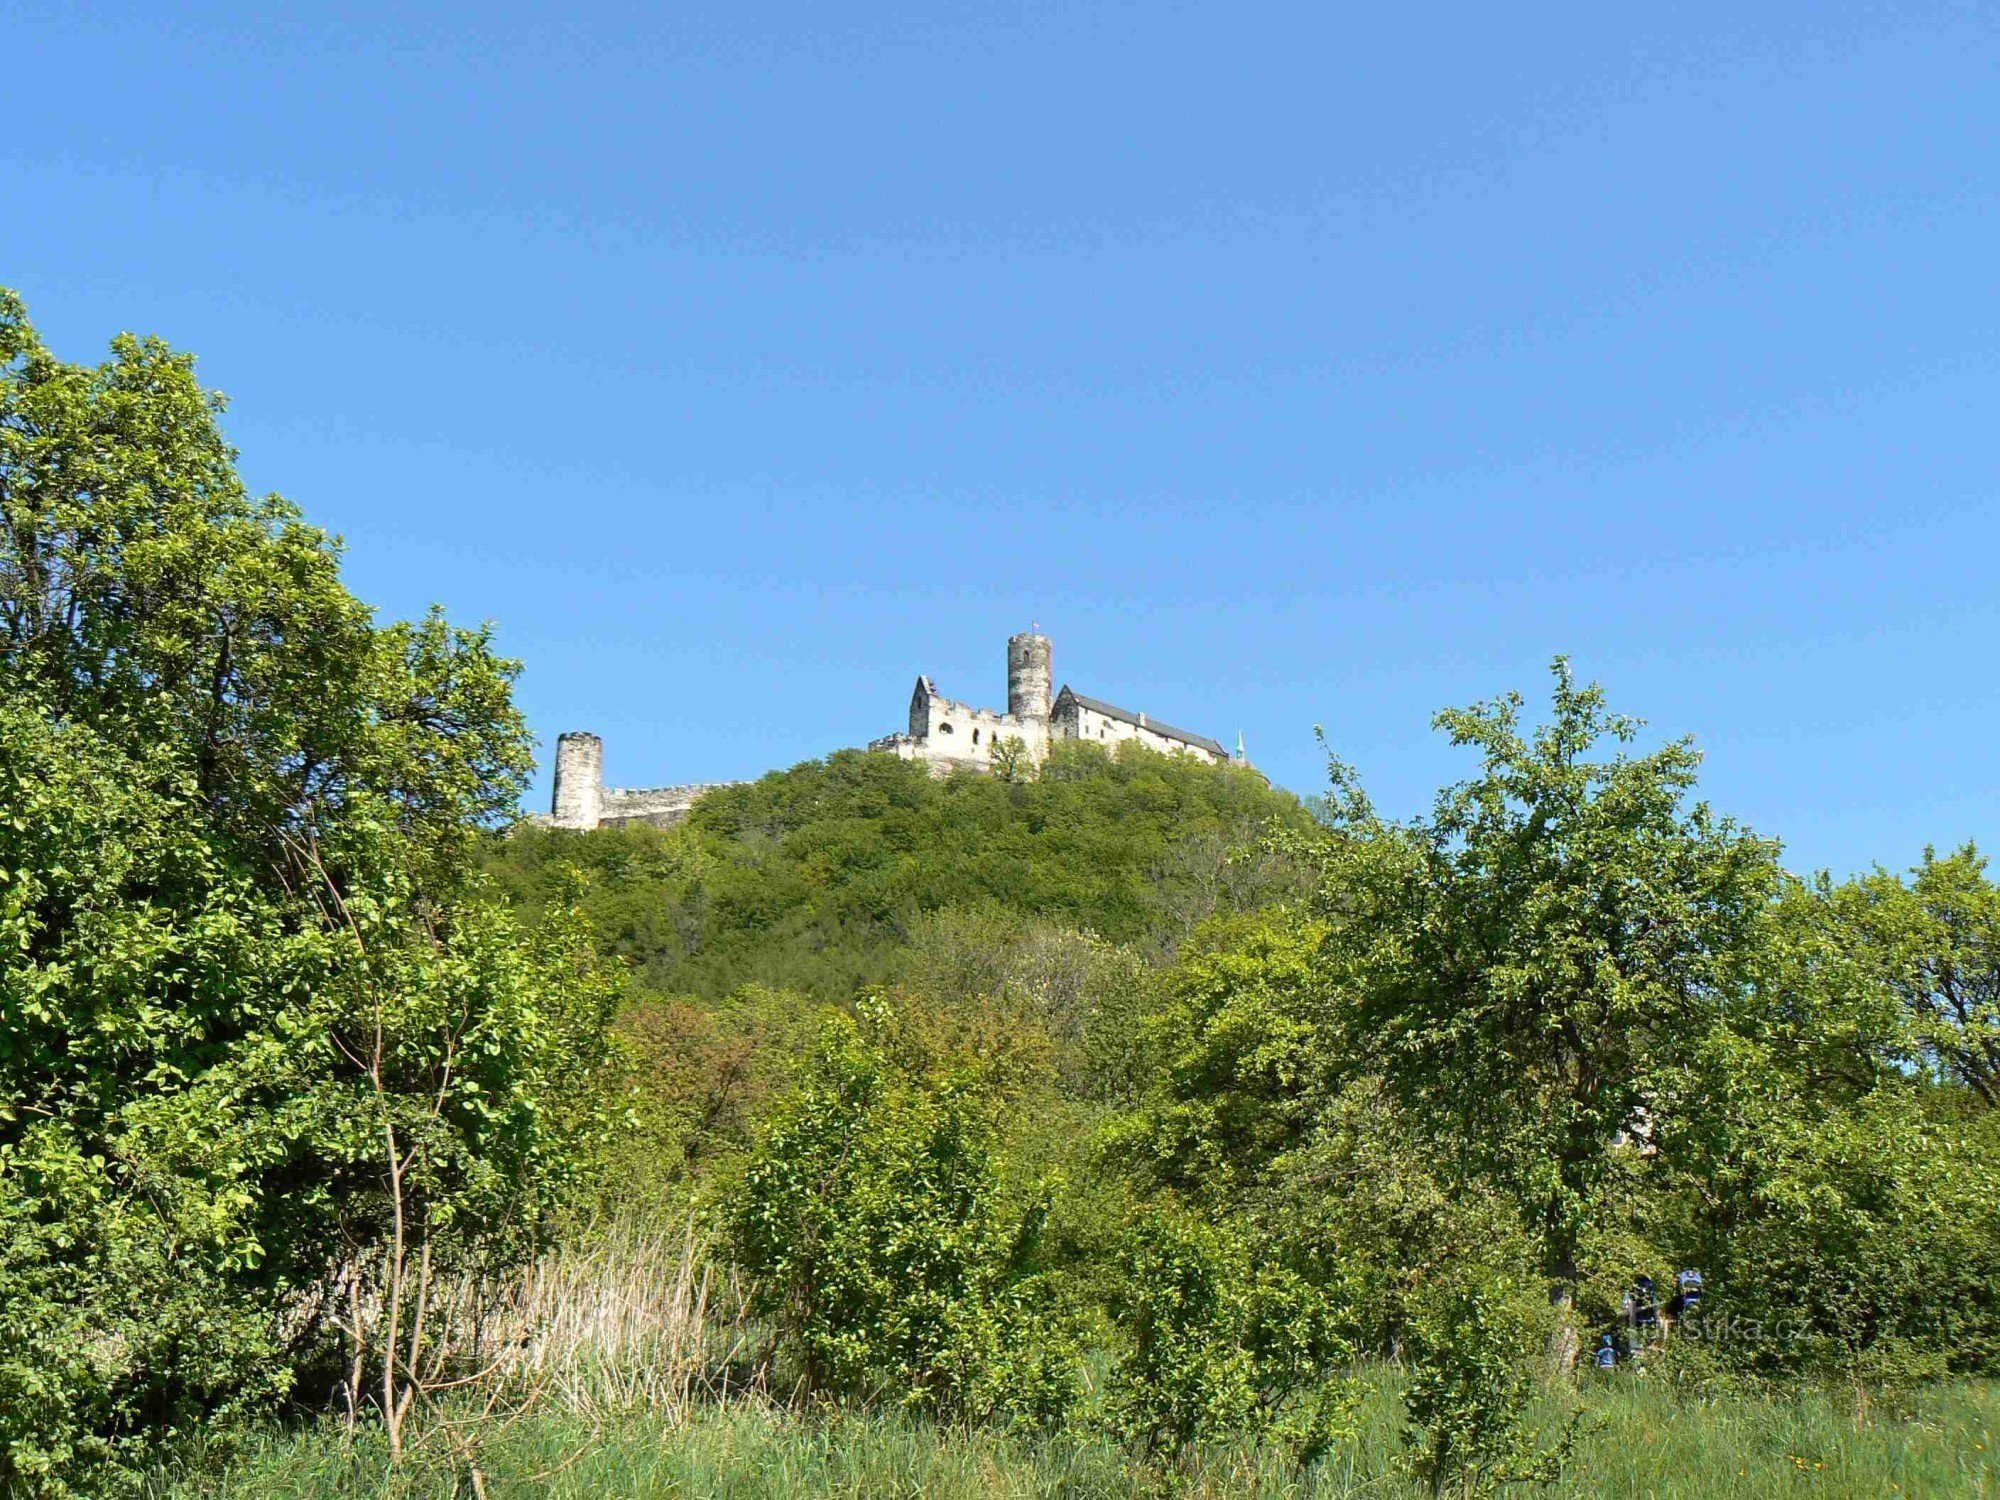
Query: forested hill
<point x="810" y="878"/>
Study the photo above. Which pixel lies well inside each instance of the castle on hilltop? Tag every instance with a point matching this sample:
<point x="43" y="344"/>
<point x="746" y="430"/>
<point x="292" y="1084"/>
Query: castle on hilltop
<point x="943" y="733"/>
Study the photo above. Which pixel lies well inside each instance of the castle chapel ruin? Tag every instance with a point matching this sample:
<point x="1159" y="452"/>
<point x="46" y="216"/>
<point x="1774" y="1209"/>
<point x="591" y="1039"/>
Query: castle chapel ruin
<point x="943" y="733"/>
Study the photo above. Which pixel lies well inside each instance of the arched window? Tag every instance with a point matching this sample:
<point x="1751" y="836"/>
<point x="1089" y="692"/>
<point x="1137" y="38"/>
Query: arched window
<point x="975" y="736"/>
<point x="944" y="729"/>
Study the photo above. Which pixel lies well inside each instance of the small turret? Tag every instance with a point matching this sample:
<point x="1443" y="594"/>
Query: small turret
<point x="1030" y="675"/>
<point x="579" y="794"/>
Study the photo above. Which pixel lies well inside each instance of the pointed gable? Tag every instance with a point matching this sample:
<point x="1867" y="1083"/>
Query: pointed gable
<point x="920" y="707"/>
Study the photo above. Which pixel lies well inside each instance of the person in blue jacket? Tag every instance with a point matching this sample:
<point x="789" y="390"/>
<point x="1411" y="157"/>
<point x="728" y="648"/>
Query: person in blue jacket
<point x="1607" y="1354"/>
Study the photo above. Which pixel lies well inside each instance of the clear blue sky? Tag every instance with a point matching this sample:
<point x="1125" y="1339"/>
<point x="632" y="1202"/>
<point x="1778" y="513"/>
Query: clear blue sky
<point x="1290" y="364"/>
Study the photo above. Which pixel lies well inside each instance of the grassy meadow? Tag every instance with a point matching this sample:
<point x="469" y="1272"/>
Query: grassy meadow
<point x="1644" y="1441"/>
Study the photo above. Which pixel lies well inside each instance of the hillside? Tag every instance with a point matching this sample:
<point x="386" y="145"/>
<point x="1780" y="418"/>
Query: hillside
<point x="811" y="878"/>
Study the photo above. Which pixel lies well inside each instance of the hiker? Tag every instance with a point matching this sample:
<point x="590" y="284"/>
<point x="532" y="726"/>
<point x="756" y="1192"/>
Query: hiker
<point x="1689" y="1282"/>
<point x="1607" y="1354"/>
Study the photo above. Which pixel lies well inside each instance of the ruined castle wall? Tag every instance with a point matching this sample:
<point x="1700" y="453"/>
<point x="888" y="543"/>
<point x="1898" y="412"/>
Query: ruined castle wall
<point x="959" y="734"/>
<point x="660" y="805"/>
<point x="944" y="733"/>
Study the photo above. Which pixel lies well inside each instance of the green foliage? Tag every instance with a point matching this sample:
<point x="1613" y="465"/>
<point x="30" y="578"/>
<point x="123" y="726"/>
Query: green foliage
<point x="812" y="879"/>
<point x="870" y="1220"/>
<point x="1474" y="1346"/>
<point x="1364" y="1195"/>
<point x="1223" y="1341"/>
<point x="699" y="1077"/>
<point x="1259" y="1111"/>
<point x="1011" y="761"/>
<point x="1525" y="960"/>
<point x="249" y="1009"/>
<point x="1084" y="995"/>
<point x="1244" y="1059"/>
<point x="1816" y="1155"/>
<point x="1935" y="942"/>
<point x="1855" y="1240"/>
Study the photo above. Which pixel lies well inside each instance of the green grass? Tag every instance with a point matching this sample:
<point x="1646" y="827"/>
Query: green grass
<point x="1647" y="1442"/>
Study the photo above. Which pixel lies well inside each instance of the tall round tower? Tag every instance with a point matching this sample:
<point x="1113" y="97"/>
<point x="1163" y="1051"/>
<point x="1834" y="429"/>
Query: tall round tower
<point x="1030" y="675"/>
<point x="579" y="780"/>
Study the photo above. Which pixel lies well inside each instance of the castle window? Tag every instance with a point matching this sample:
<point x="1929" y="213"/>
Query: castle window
<point x="975" y="736"/>
<point x="944" y="729"/>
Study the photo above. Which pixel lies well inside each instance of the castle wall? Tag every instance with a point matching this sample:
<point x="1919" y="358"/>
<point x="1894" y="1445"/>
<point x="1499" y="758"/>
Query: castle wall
<point x="582" y="801"/>
<point x="660" y="805"/>
<point x="958" y="734"/>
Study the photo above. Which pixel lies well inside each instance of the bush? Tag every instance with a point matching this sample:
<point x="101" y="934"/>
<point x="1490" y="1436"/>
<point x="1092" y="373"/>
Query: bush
<point x="1475" y="1345"/>
<point x="1223" y="1342"/>
<point x="869" y="1220"/>
<point x="1859" y="1242"/>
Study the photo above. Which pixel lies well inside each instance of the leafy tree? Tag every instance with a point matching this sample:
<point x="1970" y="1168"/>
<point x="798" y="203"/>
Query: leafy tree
<point x="1011" y="761"/>
<point x="1259" y="1113"/>
<point x="253" y="1019"/>
<point x="1245" y="1062"/>
<point x="700" y="1077"/>
<point x="1846" y="1236"/>
<point x="1080" y="992"/>
<point x="1819" y="1154"/>
<point x="1522" y="961"/>
<point x="1936" y="940"/>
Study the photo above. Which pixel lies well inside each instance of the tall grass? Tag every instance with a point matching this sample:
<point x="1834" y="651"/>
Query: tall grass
<point x="624" y="1320"/>
<point x="619" y="1367"/>
<point x="1649" y="1442"/>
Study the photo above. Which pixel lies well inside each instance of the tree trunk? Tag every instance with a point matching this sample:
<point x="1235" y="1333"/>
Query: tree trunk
<point x="1563" y="1339"/>
<point x="1564" y="1343"/>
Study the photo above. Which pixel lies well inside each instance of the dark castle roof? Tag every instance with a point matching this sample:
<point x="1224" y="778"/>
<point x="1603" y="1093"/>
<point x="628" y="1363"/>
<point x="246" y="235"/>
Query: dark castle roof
<point x="1113" y="711"/>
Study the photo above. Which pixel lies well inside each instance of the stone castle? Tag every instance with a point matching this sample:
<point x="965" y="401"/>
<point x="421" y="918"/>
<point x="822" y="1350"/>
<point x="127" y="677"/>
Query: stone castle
<point x="945" y="734"/>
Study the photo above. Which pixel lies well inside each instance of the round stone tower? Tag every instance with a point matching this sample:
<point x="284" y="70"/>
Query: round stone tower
<point x="1030" y="675"/>
<point x="579" y="780"/>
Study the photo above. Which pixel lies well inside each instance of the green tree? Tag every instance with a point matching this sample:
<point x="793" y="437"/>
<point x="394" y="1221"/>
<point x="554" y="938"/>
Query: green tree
<point x="1261" y="1112"/>
<point x="1848" y="1236"/>
<point x="1245" y="1062"/>
<point x="1474" y="1343"/>
<point x="259" y="1034"/>
<point x="1524" y="960"/>
<point x="1936" y="940"/>
<point x="1011" y="761"/>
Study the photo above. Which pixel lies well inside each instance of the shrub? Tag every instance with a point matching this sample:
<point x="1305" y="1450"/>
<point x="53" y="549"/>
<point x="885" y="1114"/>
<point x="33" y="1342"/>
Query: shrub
<point x="869" y="1219"/>
<point x="1474" y="1346"/>
<point x="1223" y="1342"/>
